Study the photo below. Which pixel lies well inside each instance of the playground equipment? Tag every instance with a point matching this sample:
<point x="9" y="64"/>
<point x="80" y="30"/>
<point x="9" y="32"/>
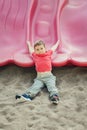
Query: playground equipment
<point x="49" y="20"/>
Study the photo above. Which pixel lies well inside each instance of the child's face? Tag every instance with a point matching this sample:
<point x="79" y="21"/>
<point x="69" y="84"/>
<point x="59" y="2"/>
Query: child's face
<point x="40" y="49"/>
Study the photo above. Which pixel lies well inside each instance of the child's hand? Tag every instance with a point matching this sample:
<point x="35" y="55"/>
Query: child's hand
<point x="55" y="45"/>
<point x="28" y="43"/>
<point x="58" y="41"/>
<point x="31" y="50"/>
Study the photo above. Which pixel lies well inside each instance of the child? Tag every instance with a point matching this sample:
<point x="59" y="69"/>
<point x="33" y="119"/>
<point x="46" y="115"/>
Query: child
<point x="42" y="59"/>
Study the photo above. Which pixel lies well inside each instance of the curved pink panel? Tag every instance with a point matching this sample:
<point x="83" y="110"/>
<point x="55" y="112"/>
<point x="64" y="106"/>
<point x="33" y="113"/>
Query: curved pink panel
<point x="49" y="20"/>
<point x="73" y="29"/>
<point x="43" y="25"/>
<point x="13" y="25"/>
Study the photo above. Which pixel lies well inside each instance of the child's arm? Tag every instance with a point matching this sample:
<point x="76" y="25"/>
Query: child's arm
<point x="55" y="46"/>
<point x="31" y="50"/>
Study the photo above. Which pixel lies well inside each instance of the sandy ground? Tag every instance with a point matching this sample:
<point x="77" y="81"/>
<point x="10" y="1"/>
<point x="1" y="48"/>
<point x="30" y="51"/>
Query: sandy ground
<point x="41" y="114"/>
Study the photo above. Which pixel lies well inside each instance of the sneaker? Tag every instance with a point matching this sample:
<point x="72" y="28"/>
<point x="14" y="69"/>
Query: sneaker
<point x="17" y="97"/>
<point x="24" y="97"/>
<point x="55" y="99"/>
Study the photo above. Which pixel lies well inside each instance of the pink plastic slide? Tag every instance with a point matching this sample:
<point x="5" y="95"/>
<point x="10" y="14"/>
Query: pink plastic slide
<point x="48" y="20"/>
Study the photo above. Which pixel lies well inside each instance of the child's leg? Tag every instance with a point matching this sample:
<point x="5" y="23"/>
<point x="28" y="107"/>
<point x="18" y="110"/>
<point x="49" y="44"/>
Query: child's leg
<point x="32" y="91"/>
<point x="35" y="88"/>
<point x="51" y="85"/>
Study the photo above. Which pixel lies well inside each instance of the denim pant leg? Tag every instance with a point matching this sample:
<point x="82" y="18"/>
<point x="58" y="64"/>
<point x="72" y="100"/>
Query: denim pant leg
<point x="35" y="88"/>
<point x="51" y="84"/>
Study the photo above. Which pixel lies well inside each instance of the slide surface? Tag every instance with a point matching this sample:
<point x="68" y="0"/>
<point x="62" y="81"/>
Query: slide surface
<point x="48" y="20"/>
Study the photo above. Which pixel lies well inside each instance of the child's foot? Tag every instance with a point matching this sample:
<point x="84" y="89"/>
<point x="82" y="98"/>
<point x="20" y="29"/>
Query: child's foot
<point x="55" y="99"/>
<point x="17" y="97"/>
<point x="24" y="97"/>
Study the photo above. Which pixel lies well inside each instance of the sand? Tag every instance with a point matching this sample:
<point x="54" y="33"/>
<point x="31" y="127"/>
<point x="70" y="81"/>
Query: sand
<point x="41" y="114"/>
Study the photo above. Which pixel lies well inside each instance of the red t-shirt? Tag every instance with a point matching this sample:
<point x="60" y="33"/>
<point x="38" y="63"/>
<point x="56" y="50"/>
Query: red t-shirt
<point x="43" y="61"/>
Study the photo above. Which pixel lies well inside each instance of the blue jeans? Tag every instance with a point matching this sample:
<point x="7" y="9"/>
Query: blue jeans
<point x="39" y="82"/>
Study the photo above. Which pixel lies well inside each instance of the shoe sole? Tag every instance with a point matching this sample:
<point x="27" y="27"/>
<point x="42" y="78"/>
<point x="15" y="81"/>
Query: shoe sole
<point x="25" y="99"/>
<point x="22" y="99"/>
<point x="55" y="102"/>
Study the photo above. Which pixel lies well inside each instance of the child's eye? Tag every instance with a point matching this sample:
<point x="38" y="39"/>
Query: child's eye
<point x="41" y="48"/>
<point x="37" y="49"/>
